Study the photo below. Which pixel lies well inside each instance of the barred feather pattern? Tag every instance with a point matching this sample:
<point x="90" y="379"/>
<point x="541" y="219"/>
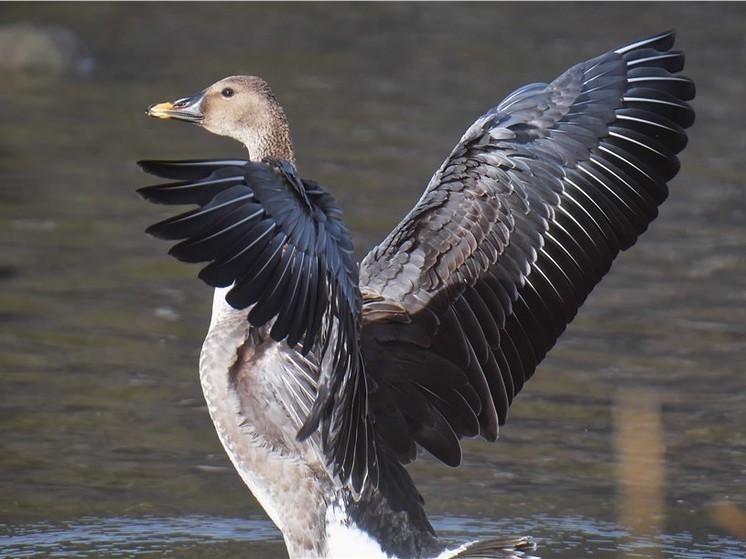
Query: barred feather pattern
<point x="468" y="293"/>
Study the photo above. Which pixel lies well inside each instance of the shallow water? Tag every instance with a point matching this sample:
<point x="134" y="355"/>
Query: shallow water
<point x="107" y="449"/>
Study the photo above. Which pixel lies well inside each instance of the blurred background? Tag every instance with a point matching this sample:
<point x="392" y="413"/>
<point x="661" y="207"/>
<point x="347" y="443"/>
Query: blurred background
<point x="630" y="441"/>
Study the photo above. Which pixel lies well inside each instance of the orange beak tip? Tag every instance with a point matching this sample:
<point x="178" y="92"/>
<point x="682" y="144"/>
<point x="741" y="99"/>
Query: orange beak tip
<point x="160" y="110"/>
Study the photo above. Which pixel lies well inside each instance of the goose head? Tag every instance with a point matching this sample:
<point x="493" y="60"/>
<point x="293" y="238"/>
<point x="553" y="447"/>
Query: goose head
<point x="240" y="107"/>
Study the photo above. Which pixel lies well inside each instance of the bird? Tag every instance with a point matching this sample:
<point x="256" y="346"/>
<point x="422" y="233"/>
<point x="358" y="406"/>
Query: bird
<point x="323" y="376"/>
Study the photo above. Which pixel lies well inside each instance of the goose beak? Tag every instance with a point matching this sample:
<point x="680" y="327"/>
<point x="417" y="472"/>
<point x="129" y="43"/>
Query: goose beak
<point x="187" y="109"/>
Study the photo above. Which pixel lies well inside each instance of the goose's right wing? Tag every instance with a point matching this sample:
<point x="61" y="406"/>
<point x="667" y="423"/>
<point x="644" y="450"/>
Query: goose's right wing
<point x="278" y="242"/>
<point x="465" y="297"/>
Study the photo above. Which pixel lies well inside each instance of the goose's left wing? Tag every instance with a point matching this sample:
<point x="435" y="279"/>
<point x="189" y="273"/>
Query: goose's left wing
<point x="465" y="297"/>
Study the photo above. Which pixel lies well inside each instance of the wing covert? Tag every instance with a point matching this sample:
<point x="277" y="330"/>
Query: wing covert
<point x="468" y="293"/>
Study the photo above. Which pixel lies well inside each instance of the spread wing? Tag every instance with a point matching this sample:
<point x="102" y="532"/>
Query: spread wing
<point x="280" y="244"/>
<point x="465" y="297"/>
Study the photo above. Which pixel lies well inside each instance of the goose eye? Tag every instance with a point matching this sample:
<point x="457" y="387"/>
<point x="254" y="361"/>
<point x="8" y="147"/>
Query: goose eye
<point x="227" y="92"/>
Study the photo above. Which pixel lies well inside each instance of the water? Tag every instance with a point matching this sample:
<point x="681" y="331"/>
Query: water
<point x="197" y="536"/>
<point x="107" y="449"/>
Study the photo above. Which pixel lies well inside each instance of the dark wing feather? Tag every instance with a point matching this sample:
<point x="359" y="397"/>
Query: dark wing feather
<point x="280" y="244"/>
<point x="465" y="297"/>
<point x="188" y="170"/>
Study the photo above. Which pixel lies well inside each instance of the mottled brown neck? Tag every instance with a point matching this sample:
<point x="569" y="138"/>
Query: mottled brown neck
<point x="273" y="139"/>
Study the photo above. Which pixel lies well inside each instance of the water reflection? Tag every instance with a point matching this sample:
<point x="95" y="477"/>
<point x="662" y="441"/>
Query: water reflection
<point x="640" y="466"/>
<point x="102" y="423"/>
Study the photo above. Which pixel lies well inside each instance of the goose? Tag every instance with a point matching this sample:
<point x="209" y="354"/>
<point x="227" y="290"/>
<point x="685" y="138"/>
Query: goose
<point x="324" y="377"/>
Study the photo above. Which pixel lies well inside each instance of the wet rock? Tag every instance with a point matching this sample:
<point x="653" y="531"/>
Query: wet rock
<point x="42" y="49"/>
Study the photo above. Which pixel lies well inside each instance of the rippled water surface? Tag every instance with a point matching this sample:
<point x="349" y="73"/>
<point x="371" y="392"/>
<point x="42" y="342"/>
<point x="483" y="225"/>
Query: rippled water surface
<point x="106" y="448"/>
